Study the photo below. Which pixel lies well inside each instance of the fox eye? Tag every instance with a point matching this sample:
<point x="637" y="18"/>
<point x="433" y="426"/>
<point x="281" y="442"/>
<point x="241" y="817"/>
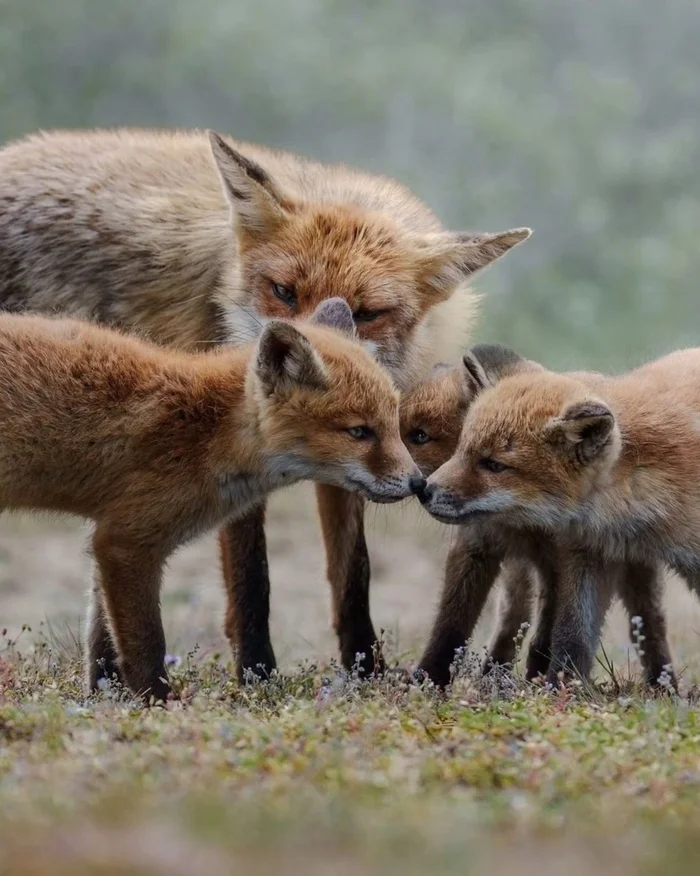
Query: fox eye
<point x="285" y="293"/>
<point x="360" y="433"/>
<point x="492" y="465"/>
<point x="368" y="315"/>
<point x="418" y="436"/>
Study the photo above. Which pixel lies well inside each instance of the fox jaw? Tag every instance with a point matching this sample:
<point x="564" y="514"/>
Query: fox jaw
<point x="291" y="254"/>
<point x="325" y="411"/>
<point x="535" y="449"/>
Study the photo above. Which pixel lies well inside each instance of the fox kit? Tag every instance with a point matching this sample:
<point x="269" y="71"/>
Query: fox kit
<point x="432" y="416"/>
<point x="196" y="241"/>
<point x="156" y="446"/>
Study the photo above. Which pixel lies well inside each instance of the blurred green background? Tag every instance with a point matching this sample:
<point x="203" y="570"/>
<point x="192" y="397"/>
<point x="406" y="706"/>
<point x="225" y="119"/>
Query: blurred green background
<point x="579" y="118"/>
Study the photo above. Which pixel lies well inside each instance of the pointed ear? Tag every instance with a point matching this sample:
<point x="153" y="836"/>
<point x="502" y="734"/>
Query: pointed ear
<point x="446" y="260"/>
<point x="486" y="364"/>
<point x="254" y="199"/>
<point x="476" y="378"/>
<point x="335" y="313"/>
<point x="286" y="359"/>
<point x="584" y="429"/>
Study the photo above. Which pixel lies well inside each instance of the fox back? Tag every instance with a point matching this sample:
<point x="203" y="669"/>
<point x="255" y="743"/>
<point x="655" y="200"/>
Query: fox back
<point x="191" y="241"/>
<point x="616" y="457"/>
<point x="105" y="425"/>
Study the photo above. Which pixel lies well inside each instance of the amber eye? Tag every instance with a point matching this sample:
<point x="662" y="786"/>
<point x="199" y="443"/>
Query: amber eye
<point x="285" y="293"/>
<point x="418" y="436"/>
<point x="360" y="433"/>
<point x="492" y="465"/>
<point x="368" y="315"/>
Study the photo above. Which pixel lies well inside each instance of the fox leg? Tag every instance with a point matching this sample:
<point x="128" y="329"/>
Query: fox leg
<point x="577" y="615"/>
<point x="100" y="654"/>
<point x="544" y="562"/>
<point x="348" y="570"/>
<point x="514" y="611"/>
<point x="244" y="561"/>
<point x="129" y="576"/>
<point x="539" y="653"/>
<point x="641" y="589"/>
<point x="470" y="573"/>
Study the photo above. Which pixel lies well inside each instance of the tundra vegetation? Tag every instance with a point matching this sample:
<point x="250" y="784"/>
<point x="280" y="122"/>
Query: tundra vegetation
<point x="579" y="120"/>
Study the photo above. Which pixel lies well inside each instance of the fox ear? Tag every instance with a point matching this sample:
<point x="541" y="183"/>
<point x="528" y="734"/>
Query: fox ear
<point x="486" y="364"/>
<point x="255" y="201"/>
<point x="286" y="360"/>
<point x="447" y="260"/>
<point x="584" y="428"/>
<point x="335" y="313"/>
<point x="476" y="378"/>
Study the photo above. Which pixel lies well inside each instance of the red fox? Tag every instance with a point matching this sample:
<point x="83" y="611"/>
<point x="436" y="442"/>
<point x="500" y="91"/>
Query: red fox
<point x="195" y="241"/>
<point x="431" y="423"/>
<point x="156" y="446"/>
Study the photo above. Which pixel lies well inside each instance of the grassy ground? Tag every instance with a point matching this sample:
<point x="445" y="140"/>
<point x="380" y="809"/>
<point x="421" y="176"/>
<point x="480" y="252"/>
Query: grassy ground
<point x="317" y="772"/>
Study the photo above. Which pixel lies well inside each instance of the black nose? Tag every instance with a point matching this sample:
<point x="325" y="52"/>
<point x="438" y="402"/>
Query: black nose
<point x="426" y="494"/>
<point x="417" y="484"/>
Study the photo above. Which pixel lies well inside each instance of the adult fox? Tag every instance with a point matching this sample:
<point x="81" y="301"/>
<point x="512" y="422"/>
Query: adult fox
<point x="192" y="240"/>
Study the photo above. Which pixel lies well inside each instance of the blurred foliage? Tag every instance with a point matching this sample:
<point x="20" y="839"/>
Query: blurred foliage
<point x="581" y="119"/>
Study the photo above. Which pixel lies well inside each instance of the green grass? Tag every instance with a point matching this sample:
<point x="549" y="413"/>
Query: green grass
<point x="316" y="772"/>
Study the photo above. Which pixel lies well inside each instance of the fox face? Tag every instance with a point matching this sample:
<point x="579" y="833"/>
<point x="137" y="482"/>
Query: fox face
<point x="431" y="417"/>
<point x="328" y="412"/>
<point x="293" y="254"/>
<point x="533" y="448"/>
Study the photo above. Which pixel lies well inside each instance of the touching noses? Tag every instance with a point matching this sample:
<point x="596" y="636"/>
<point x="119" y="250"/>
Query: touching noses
<point x="419" y="487"/>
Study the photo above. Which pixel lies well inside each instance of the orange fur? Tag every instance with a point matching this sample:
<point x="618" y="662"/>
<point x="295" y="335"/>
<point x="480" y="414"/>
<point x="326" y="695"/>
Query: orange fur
<point x="157" y="446"/>
<point x="596" y="454"/>
<point x="193" y="241"/>
<point x="437" y="410"/>
<point x="182" y="237"/>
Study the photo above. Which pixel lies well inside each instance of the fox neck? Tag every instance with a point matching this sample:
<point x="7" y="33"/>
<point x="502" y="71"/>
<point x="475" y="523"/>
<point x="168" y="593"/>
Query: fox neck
<point x="244" y="467"/>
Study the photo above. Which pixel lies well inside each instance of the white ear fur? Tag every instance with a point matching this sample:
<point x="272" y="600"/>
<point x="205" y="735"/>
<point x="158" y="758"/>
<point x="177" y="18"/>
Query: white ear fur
<point x="486" y="364"/>
<point x="447" y="259"/>
<point x="335" y="313"/>
<point x="286" y="359"/>
<point x="585" y="427"/>
<point x="254" y="199"/>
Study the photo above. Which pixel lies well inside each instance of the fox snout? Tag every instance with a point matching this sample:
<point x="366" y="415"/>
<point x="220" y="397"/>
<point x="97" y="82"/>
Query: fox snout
<point x="394" y="487"/>
<point x="390" y="482"/>
<point x="450" y="499"/>
<point x="441" y="503"/>
<point x="439" y="497"/>
<point x="424" y="491"/>
<point x="418" y="485"/>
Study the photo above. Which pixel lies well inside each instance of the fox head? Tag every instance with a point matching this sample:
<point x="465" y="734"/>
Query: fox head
<point x="432" y="414"/>
<point x="292" y="254"/>
<point x="534" y="445"/>
<point x="327" y="411"/>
